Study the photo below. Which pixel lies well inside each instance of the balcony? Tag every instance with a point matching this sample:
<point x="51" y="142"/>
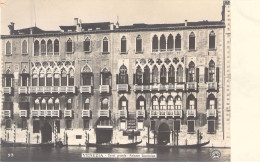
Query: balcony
<point x="155" y="87"/>
<point x="104" y="113"/>
<point x="22" y="90"/>
<point x="50" y="89"/>
<point x="86" y="89"/>
<point x="169" y="113"/>
<point x="211" y="113"/>
<point x="171" y="87"/>
<point x="48" y="113"/>
<point x="104" y="89"/>
<point x="7" y="90"/>
<point x="40" y="89"/>
<point x="180" y="86"/>
<point x="140" y="113"/>
<point x="154" y="114"/>
<point x="212" y="86"/>
<point x="122" y="113"/>
<point x="23" y="113"/>
<point x="178" y="113"/>
<point x="162" y="113"/>
<point x="142" y="88"/>
<point x="192" y="86"/>
<point x="7" y="113"/>
<point x="191" y="113"/>
<point x="42" y="113"/>
<point x="86" y="113"/>
<point x="122" y="87"/>
<point x="55" y="89"/>
<point x="55" y="113"/>
<point x="67" y="113"/>
<point x="35" y="113"/>
<point x="105" y="124"/>
<point x="70" y="89"/>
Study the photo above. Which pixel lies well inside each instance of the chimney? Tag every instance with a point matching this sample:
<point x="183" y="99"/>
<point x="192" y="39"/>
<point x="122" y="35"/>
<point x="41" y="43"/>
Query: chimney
<point x="75" y="21"/>
<point x="186" y="23"/>
<point x="11" y="28"/>
<point x="111" y="26"/>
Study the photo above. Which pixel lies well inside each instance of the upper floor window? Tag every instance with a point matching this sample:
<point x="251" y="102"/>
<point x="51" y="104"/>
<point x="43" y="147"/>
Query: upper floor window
<point x="48" y="77"/>
<point x="105" y="77"/>
<point x="63" y="77"/>
<point x="36" y="104"/>
<point x="163" y="75"/>
<point x="105" y="45"/>
<point x="42" y="78"/>
<point x="211" y="102"/>
<point x="69" y="104"/>
<point x="191" y="102"/>
<point x="146" y="75"/>
<point x="69" y="46"/>
<point x="140" y="104"/>
<point x="43" y="104"/>
<point x="191" y="72"/>
<point x="123" y="44"/>
<point x="155" y="74"/>
<point x="49" y="48"/>
<point x="178" y="102"/>
<point x="34" y="77"/>
<point x="179" y="74"/>
<point x="211" y="71"/>
<point x="139" y="44"/>
<point x="212" y="42"/>
<point x="56" y="77"/>
<point x="104" y="104"/>
<point x="36" y="48"/>
<point x="171" y="75"/>
<point x="123" y="77"/>
<point x="43" y="48"/>
<point x="162" y="43"/>
<point x="8" y="48"/>
<point x="192" y="41"/>
<point x="50" y="104"/>
<point x="86" y="75"/>
<point x="71" y="77"/>
<point x="123" y="103"/>
<point x="56" y="47"/>
<point x="86" y="104"/>
<point x="24" y="47"/>
<point x="178" y="42"/>
<point x="155" y="104"/>
<point x="155" y="44"/>
<point x="57" y="104"/>
<point x="87" y="45"/>
<point x="170" y="101"/>
<point x="170" y="43"/>
<point x="162" y="103"/>
<point x="139" y="75"/>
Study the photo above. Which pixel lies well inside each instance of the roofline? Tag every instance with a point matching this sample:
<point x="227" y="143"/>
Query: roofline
<point x="115" y="31"/>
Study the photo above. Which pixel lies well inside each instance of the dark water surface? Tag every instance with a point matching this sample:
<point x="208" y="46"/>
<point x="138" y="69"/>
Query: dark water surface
<point x="73" y="153"/>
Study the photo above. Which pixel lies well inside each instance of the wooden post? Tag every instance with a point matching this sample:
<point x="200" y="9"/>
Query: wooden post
<point x="172" y="138"/>
<point x="198" y="136"/>
<point x="154" y="137"/>
<point x="148" y="135"/>
<point x="177" y="138"/>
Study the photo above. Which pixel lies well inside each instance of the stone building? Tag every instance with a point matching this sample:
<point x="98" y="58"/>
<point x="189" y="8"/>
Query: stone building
<point x="102" y="82"/>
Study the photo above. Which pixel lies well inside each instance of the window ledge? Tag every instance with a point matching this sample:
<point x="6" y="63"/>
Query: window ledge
<point x="24" y="53"/>
<point x="139" y="52"/>
<point x="212" y="49"/>
<point x="87" y="51"/>
<point x="211" y="132"/>
<point x="69" y="52"/>
<point x="105" y="52"/>
<point x="192" y="50"/>
<point x="191" y="132"/>
<point x="8" y="54"/>
<point x="123" y="53"/>
<point x="68" y="129"/>
<point x="8" y="128"/>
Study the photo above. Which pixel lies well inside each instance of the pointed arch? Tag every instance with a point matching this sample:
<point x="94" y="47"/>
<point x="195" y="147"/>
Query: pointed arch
<point x="123" y="76"/>
<point x="49" y="47"/>
<point x="43" y="104"/>
<point x="139" y="44"/>
<point x="36" y="48"/>
<point x="56" y="47"/>
<point x="155" y="43"/>
<point x="162" y="43"/>
<point x="162" y="103"/>
<point x="155" y="74"/>
<point x="178" y="103"/>
<point x="211" y="102"/>
<point x="211" y="71"/>
<point x="104" y="104"/>
<point x="123" y="103"/>
<point x="191" y="102"/>
<point x="171" y="75"/>
<point x="178" y="42"/>
<point x="43" y="47"/>
<point x="86" y="104"/>
<point x="50" y="104"/>
<point x="63" y="77"/>
<point x="8" y="48"/>
<point x="180" y="74"/>
<point x="49" y="76"/>
<point x="212" y="40"/>
<point x="192" y="41"/>
<point x="57" y="76"/>
<point x="24" y="47"/>
<point x="35" y="76"/>
<point x="163" y="74"/>
<point x="57" y="104"/>
<point x="105" y="45"/>
<point x="170" y="43"/>
<point x="141" y="103"/>
<point x="69" y="46"/>
<point x="191" y="72"/>
<point x="86" y="69"/>
<point x="155" y="103"/>
<point x="36" y="104"/>
<point x="139" y="75"/>
<point x="71" y="76"/>
<point x="146" y="75"/>
<point x="42" y="77"/>
<point x="123" y="44"/>
<point x="69" y="104"/>
<point x="170" y="102"/>
<point x="86" y="44"/>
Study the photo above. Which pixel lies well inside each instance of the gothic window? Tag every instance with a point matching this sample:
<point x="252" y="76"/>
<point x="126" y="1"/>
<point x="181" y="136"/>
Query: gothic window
<point x="36" y="104"/>
<point x="178" y="103"/>
<point x="56" y="47"/>
<point x="69" y="104"/>
<point x="63" y="77"/>
<point x="57" y="77"/>
<point x="192" y="41"/>
<point x="171" y="75"/>
<point x="146" y="75"/>
<point x="123" y="77"/>
<point x="43" y="104"/>
<point x="49" y="48"/>
<point x="87" y="45"/>
<point x="138" y="44"/>
<point x="178" y="42"/>
<point x="71" y="77"/>
<point x="106" y="77"/>
<point x="123" y="44"/>
<point x="86" y="104"/>
<point x="211" y="71"/>
<point x="211" y="102"/>
<point x="170" y="43"/>
<point x="155" y="44"/>
<point x="123" y="103"/>
<point x="49" y="77"/>
<point x="36" y="48"/>
<point x="43" y="48"/>
<point x="24" y="47"/>
<point x="141" y="103"/>
<point x="191" y="75"/>
<point x="57" y="104"/>
<point x="155" y="74"/>
<point x="170" y="102"/>
<point x="191" y="102"/>
<point x="155" y="104"/>
<point x="179" y="74"/>
<point x="212" y="42"/>
<point x="42" y="78"/>
<point x="105" y="45"/>
<point x="163" y="75"/>
<point x="104" y="104"/>
<point x="162" y="102"/>
<point x="162" y="43"/>
<point x="8" y="48"/>
<point x="50" y="104"/>
<point x="69" y="46"/>
<point x="139" y="75"/>
<point x="34" y="78"/>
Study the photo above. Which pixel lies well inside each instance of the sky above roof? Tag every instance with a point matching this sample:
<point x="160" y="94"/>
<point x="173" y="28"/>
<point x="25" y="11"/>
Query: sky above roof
<point x="50" y="14"/>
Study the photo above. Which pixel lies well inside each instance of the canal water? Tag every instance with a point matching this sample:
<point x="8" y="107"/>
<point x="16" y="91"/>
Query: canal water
<point x="73" y="153"/>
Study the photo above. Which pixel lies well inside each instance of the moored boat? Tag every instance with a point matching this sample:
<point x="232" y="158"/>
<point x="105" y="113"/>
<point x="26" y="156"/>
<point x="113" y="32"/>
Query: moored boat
<point x="113" y="145"/>
<point x="178" y="146"/>
<point x="23" y="144"/>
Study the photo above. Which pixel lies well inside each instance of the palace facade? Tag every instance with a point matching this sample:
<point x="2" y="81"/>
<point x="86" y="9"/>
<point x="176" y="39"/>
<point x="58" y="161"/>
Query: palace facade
<point x="106" y="83"/>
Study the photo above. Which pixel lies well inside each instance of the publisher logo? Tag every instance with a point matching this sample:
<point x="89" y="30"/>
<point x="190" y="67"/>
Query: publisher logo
<point x="215" y="154"/>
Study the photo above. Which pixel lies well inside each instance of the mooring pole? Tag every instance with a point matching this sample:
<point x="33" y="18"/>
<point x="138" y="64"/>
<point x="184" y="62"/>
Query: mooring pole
<point x="154" y="137"/>
<point x="148" y="135"/>
<point x="177" y="138"/>
<point x="172" y="138"/>
<point x="198" y="136"/>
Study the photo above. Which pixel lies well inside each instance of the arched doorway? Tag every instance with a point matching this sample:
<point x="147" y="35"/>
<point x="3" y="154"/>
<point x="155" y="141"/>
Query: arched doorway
<point x="163" y="134"/>
<point x="46" y="131"/>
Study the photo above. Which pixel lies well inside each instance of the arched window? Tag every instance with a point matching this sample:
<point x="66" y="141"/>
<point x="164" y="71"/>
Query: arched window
<point x="87" y="45"/>
<point x="69" y="46"/>
<point x="211" y="102"/>
<point x="71" y="77"/>
<point x="162" y="43"/>
<point x="8" y="48"/>
<point x="86" y="75"/>
<point x="139" y="75"/>
<point x="123" y="105"/>
<point x="104" y="104"/>
<point x="63" y="77"/>
<point x="178" y="103"/>
<point x="146" y="75"/>
<point x="69" y="104"/>
<point x="34" y="77"/>
<point x="36" y="104"/>
<point x="162" y="102"/>
<point x="139" y="44"/>
<point x="178" y="42"/>
<point x="56" y="47"/>
<point x="105" y="45"/>
<point x="191" y="102"/>
<point x="171" y="75"/>
<point x="49" y="48"/>
<point x="170" y="102"/>
<point x="141" y="103"/>
<point x="155" y="74"/>
<point x="123" y="77"/>
<point x="123" y="44"/>
<point x="212" y="42"/>
<point x="192" y="41"/>
<point x="36" y="48"/>
<point x="43" y="104"/>
<point x="86" y="104"/>
<point x="49" y="77"/>
<point x="211" y="71"/>
<point x="179" y="74"/>
<point x="106" y="76"/>
<point x="50" y="104"/>
<point x="155" y="44"/>
<point x="57" y="104"/>
<point x="155" y="104"/>
<point x="42" y="78"/>
<point x="57" y="77"/>
<point x="43" y="48"/>
<point x="191" y="75"/>
<point x="24" y="47"/>
<point x="163" y="75"/>
<point x="170" y="43"/>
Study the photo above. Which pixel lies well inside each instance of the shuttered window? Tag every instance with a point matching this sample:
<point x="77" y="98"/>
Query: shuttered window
<point x="191" y="126"/>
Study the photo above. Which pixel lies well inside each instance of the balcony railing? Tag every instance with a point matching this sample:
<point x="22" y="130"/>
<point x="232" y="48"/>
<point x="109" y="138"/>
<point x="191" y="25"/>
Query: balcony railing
<point x="122" y="113"/>
<point x="67" y="113"/>
<point x="23" y="113"/>
<point x="140" y="113"/>
<point x="178" y="113"/>
<point x="55" y="113"/>
<point x="42" y="113"/>
<point x="35" y="113"/>
<point x="180" y="86"/>
<point x="7" y="113"/>
<point x="45" y="113"/>
<point x="154" y="113"/>
<point x="122" y="87"/>
<point x="86" y="113"/>
<point x="23" y="90"/>
<point x="191" y="85"/>
<point x="104" y="89"/>
<point x="211" y="113"/>
<point x="86" y="89"/>
<point x="107" y="124"/>
<point x="51" y="89"/>
<point x="48" y="113"/>
<point x="104" y="113"/>
<point x="169" y="113"/>
<point x="162" y="113"/>
<point x="191" y="113"/>
<point x="48" y="89"/>
<point x="7" y="90"/>
<point x="212" y="85"/>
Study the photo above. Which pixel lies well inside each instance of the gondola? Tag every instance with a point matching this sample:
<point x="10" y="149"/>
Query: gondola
<point x="113" y="145"/>
<point x="22" y="144"/>
<point x="179" y="146"/>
